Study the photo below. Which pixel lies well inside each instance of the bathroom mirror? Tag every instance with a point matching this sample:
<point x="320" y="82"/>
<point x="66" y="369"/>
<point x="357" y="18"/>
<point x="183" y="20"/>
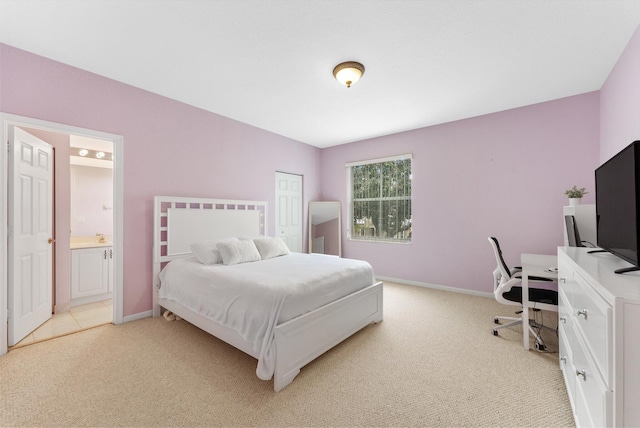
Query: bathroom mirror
<point x="325" y="227"/>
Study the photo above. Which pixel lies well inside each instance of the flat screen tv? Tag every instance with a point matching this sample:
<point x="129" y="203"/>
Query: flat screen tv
<point x="617" y="198"/>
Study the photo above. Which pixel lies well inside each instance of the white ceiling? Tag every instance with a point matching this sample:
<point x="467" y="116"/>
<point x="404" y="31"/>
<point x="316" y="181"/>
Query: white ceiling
<point x="269" y="62"/>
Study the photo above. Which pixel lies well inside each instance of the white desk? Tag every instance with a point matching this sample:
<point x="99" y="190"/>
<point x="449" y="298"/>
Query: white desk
<point x="544" y="266"/>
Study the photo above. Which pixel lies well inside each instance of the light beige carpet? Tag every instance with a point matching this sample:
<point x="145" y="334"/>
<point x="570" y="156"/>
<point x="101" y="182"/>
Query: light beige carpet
<point x="432" y="362"/>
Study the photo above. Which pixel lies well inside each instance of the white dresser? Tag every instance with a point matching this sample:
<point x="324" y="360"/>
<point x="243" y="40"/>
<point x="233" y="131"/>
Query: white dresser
<point x="599" y="334"/>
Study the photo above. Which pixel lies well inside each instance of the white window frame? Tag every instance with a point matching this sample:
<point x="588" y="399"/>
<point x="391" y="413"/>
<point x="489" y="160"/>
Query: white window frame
<point x="349" y="224"/>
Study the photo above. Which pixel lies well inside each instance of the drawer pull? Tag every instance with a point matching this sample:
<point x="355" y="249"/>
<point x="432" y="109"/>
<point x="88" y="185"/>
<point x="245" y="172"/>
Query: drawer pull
<point x="582" y="313"/>
<point x="582" y="374"/>
<point x="563" y="319"/>
<point x="563" y="359"/>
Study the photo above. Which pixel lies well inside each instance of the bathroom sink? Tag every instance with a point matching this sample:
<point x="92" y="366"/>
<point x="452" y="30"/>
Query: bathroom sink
<point x="76" y="245"/>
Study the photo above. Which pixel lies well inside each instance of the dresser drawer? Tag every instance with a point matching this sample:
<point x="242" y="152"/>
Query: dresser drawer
<point x="593" y="317"/>
<point x="566" y="362"/>
<point x="593" y="399"/>
<point x="565" y="309"/>
<point x="565" y="280"/>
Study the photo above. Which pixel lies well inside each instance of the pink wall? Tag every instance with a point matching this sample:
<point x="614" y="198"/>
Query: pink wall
<point x="620" y="102"/>
<point x="169" y="149"/>
<point x="502" y="174"/>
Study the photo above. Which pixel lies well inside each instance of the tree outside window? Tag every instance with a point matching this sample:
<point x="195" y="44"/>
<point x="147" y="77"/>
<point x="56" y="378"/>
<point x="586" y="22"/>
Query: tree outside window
<point x="381" y="200"/>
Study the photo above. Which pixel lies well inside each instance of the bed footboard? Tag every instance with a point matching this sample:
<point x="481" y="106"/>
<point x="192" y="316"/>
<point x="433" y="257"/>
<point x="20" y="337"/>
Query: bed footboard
<point x="305" y="338"/>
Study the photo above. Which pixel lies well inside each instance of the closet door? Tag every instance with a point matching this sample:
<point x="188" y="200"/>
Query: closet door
<point x="289" y="209"/>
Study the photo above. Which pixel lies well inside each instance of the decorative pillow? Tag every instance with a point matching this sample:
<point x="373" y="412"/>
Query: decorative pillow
<point x="238" y="251"/>
<point x="269" y="247"/>
<point x="207" y="252"/>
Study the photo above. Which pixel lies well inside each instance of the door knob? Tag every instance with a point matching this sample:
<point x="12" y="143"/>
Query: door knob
<point x="51" y="240"/>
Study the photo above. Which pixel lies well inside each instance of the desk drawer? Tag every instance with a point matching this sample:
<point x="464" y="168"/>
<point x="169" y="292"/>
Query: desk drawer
<point x="593" y="317"/>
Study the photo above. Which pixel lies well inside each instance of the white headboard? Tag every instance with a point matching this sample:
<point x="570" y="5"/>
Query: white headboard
<point x="180" y="221"/>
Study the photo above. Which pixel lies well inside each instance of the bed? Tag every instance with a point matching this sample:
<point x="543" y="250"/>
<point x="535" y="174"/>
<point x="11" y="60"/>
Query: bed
<point x="294" y="336"/>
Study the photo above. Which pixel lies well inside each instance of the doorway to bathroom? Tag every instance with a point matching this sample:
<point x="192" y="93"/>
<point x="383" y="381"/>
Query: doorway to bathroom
<point x="91" y="219"/>
<point x="87" y="228"/>
<point x="86" y="300"/>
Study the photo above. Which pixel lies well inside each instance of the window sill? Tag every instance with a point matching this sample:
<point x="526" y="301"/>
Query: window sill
<point x="380" y="241"/>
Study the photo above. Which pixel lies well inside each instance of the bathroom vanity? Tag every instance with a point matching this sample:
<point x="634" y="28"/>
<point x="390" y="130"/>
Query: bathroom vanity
<point x="91" y="272"/>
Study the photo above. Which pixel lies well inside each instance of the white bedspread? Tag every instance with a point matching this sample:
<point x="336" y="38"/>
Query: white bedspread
<point x="252" y="298"/>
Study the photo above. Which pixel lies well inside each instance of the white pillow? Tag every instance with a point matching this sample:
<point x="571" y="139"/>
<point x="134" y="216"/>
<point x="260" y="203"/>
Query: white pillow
<point x="238" y="251"/>
<point x="207" y="252"/>
<point x="269" y="247"/>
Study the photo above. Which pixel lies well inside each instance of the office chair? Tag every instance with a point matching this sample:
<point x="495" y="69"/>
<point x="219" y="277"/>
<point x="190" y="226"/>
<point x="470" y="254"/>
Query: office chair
<point x="508" y="292"/>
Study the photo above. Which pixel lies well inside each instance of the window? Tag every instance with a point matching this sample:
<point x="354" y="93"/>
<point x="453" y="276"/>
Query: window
<point x="380" y="199"/>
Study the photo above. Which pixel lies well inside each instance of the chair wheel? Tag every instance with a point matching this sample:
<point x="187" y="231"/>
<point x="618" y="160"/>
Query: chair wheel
<point x="494" y="332"/>
<point x="496" y="321"/>
<point x="540" y="346"/>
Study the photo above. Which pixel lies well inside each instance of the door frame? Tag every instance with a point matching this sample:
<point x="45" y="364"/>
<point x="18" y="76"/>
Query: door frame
<point x="118" y="217"/>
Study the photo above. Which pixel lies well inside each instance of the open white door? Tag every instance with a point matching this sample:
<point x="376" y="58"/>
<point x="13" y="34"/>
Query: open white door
<point x="289" y="210"/>
<point x="30" y="163"/>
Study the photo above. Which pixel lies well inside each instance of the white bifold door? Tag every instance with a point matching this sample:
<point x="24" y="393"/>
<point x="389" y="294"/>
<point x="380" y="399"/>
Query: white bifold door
<point x="30" y="267"/>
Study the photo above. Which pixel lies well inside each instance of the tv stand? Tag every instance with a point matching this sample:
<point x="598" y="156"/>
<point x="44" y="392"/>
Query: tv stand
<point x="618" y="271"/>
<point x="625" y="270"/>
<point x="599" y="349"/>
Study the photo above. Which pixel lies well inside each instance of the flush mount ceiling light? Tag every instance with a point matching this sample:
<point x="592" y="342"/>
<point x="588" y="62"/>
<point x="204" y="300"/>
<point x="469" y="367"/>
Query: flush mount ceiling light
<point x="100" y="155"/>
<point x="348" y="72"/>
<point x="83" y="152"/>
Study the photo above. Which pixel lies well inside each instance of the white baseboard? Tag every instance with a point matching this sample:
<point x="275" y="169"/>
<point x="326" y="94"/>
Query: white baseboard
<point x="138" y="316"/>
<point x="436" y="287"/>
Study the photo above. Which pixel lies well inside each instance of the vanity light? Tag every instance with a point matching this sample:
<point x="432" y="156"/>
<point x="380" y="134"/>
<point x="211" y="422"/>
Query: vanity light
<point x="348" y="72"/>
<point x="100" y="155"/>
<point x="83" y="152"/>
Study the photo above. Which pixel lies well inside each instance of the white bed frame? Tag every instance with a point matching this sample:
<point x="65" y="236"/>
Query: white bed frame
<point x="179" y="221"/>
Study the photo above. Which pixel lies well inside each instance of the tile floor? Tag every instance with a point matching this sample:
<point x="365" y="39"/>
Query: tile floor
<point x="77" y="319"/>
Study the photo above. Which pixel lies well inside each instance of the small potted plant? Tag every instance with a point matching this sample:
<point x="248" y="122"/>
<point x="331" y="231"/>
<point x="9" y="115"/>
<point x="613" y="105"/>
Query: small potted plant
<point x="575" y="194"/>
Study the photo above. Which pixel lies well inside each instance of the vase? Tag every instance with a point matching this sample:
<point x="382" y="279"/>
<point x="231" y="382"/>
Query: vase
<point x="574" y="201"/>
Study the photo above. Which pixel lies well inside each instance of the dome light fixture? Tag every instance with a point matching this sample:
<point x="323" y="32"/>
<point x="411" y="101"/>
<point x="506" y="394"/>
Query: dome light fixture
<point x="348" y="72"/>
